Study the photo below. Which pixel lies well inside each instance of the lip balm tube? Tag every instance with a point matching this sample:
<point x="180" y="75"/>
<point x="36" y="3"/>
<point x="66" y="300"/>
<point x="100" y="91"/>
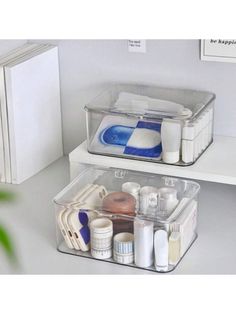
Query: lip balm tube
<point x="143" y="242"/>
<point x="161" y="248"/>
<point x="132" y="188"/>
<point x="170" y="140"/>
<point x="188" y="143"/>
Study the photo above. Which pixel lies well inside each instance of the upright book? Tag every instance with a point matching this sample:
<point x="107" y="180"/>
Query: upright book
<point x="5" y="166"/>
<point x="33" y="112"/>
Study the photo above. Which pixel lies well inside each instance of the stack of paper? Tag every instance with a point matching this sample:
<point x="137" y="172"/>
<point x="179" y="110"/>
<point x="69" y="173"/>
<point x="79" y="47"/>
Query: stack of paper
<point x="30" y="124"/>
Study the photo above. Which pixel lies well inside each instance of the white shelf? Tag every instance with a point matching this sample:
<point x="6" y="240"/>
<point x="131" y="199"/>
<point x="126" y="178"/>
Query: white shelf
<point x="217" y="164"/>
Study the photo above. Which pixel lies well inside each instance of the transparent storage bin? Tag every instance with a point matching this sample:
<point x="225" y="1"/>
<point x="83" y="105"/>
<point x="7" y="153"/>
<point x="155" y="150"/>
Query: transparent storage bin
<point x="127" y="217"/>
<point x="165" y="125"/>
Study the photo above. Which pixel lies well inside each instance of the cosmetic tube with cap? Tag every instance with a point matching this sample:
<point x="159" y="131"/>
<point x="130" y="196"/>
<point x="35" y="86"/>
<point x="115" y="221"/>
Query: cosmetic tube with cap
<point x="188" y="135"/>
<point x="161" y="248"/>
<point x="143" y="242"/>
<point x="170" y="139"/>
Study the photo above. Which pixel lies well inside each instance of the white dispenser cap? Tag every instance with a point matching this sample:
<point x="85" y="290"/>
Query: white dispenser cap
<point x="170" y="157"/>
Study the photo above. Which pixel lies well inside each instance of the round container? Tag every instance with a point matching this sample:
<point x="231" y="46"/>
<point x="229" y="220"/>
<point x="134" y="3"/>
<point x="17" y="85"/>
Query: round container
<point x="148" y="200"/>
<point x="168" y="199"/>
<point x="119" y="203"/>
<point x="123" y="248"/>
<point x="123" y="258"/>
<point x="101" y="230"/>
<point x="132" y="188"/>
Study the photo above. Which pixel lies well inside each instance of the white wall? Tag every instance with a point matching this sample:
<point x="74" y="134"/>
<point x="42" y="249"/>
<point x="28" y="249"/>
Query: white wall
<point x="86" y="65"/>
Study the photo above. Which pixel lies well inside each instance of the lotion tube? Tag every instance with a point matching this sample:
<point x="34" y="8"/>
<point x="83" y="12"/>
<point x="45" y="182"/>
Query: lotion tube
<point x="143" y="243"/>
<point x="161" y="247"/>
<point x="171" y="140"/>
<point x="188" y="143"/>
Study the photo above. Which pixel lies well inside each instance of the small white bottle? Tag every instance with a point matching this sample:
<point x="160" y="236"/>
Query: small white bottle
<point x="161" y="248"/>
<point x="132" y="188"/>
<point x="170" y="140"/>
<point x="143" y="243"/>
<point x="188" y="135"/>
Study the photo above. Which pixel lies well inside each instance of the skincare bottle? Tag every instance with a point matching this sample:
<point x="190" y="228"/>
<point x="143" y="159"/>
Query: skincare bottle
<point x="167" y="200"/>
<point x="161" y="249"/>
<point x="188" y="143"/>
<point x="133" y="188"/>
<point x="143" y="243"/>
<point x="170" y="139"/>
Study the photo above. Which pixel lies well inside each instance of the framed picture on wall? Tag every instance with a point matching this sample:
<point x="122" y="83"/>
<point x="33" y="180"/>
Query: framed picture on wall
<point x="221" y="50"/>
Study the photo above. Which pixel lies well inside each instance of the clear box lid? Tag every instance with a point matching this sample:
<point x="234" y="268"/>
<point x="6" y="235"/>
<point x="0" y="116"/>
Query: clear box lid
<point x="113" y="179"/>
<point x="151" y="102"/>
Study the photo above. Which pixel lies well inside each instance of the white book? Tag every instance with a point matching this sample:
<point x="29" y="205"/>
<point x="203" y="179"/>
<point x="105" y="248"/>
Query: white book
<point x="5" y="167"/>
<point x="34" y="113"/>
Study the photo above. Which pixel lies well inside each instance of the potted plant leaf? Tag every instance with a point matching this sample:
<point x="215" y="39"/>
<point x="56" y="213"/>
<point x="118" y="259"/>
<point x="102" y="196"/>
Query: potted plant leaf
<point x="5" y="239"/>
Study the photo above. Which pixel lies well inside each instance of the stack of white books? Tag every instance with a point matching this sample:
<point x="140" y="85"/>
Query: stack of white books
<point x="30" y="111"/>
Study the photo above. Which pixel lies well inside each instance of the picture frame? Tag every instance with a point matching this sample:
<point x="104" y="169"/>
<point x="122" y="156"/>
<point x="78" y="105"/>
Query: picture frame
<point x="219" y="50"/>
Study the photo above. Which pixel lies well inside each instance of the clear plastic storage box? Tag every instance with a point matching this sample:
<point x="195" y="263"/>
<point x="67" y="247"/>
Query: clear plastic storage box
<point x="173" y="126"/>
<point x="127" y="217"/>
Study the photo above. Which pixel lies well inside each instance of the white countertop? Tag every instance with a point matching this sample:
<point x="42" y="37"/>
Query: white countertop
<point x="30" y="220"/>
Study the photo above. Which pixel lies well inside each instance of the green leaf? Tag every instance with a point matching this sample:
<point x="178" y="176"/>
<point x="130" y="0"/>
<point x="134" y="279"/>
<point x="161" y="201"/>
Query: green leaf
<point x="6" y="196"/>
<point x="6" y="244"/>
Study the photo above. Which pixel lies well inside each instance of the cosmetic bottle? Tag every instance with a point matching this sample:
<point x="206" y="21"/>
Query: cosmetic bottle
<point x="188" y="143"/>
<point x="143" y="242"/>
<point x="167" y="200"/>
<point x="170" y="139"/>
<point x="161" y="249"/>
<point x="132" y="188"/>
<point x="148" y="200"/>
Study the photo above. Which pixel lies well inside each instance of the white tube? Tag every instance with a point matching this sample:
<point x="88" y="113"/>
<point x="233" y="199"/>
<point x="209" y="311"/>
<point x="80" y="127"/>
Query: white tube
<point x="170" y="139"/>
<point x="161" y="247"/>
<point x="143" y="243"/>
<point x="188" y="135"/>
